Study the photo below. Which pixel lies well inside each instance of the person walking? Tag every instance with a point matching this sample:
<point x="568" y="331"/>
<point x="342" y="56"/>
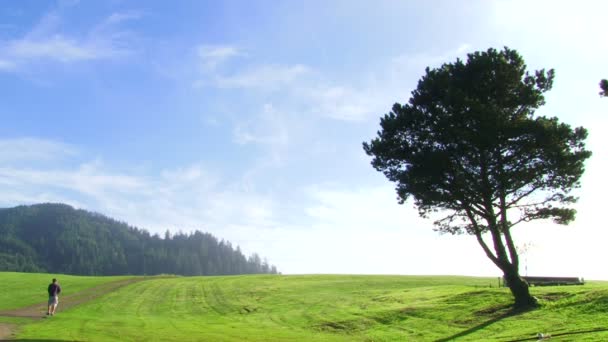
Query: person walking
<point x="54" y="290"/>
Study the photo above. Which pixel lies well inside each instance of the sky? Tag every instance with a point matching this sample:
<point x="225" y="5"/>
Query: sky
<point x="245" y="119"/>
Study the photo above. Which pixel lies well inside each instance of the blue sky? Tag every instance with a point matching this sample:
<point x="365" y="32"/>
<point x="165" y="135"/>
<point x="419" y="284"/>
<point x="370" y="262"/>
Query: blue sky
<point x="245" y="119"/>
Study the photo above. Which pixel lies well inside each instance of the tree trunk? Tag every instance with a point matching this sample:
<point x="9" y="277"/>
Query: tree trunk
<point x="520" y="290"/>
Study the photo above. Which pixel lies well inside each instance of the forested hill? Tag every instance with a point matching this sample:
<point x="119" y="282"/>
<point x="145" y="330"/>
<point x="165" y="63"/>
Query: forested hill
<point x="57" y="238"/>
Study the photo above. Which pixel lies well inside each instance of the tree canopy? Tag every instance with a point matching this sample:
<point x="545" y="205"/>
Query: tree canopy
<point x="470" y="146"/>
<point x="604" y="87"/>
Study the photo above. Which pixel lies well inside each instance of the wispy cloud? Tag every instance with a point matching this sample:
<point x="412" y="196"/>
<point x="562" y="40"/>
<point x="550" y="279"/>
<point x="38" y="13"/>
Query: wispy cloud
<point x="56" y="48"/>
<point x="419" y="61"/>
<point x="46" y="42"/>
<point x="263" y="77"/>
<point x="86" y="179"/>
<point x="192" y="197"/>
<point x="211" y="56"/>
<point x="119" y="17"/>
<point x="375" y="95"/>
<point x="185" y="198"/>
<point x="267" y="128"/>
<point x="33" y="149"/>
<point x="374" y="233"/>
<point x="316" y="92"/>
<point x="370" y="97"/>
<point x="345" y="103"/>
<point x="257" y="76"/>
<point x="6" y="65"/>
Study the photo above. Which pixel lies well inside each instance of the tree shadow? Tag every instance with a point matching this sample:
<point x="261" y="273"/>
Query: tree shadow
<point x="568" y="333"/>
<point x="510" y="313"/>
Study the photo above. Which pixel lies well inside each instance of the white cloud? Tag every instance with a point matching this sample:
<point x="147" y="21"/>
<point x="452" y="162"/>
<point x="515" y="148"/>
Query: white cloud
<point x="88" y="179"/>
<point x="386" y="84"/>
<point x="363" y="208"/>
<point x="184" y="198"/>
<point x="356" y="230"/>
<point x="364" y="230"/>
<point x="217" y="53"/>
<point x="263" y="77"/>
<point x="33" y="149"/>
<point x="372" y="94"/>
<point x="183" y="175"/>
<point x="119" y="17"/>
<point x="345" y="103"/>
<point x="419" y="61"/>
<point x="376" y="94"/>
<point x="298" y="83"/>
<point x="55" y="48"/>
<point x="180" y="199"/>
<point x="44" y="42"/>
<point x="269" y="127"/>
<point x="7" y="65"/>
<point x="361" y="230"/>
<point x="13" y="198"/>
<point x="211" y="56"/>
<point x="582" y="24"/>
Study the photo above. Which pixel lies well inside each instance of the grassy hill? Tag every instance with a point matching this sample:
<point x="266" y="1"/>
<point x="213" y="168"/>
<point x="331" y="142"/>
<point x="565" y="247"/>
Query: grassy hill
<point x="325" y="308"/>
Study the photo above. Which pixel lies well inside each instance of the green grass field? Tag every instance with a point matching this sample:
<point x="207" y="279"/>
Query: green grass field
<point x="323" y="308"/>
<point x="22" y="289"/>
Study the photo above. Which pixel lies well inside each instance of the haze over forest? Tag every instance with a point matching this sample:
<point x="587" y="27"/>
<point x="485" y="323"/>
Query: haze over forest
<point x="56" y="238"/>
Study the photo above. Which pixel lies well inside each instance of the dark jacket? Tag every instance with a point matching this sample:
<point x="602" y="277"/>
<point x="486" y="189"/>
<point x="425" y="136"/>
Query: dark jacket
<point x="54" y="289"/>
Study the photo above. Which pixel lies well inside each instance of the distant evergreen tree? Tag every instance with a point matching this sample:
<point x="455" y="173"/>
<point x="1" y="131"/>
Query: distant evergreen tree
<point x="57" y="238"/>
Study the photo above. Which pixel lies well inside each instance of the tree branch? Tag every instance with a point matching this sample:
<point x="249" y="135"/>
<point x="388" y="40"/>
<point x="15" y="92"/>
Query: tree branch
<point x="525" y="194"/>
<point x="480" y="240"/>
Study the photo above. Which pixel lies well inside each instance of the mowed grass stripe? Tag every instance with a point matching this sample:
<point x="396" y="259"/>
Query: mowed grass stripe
<point x="328" y="308"/>
<point x="23" y="289"/>
<point x="227" y="324"/>
<point x="216" y="322"/>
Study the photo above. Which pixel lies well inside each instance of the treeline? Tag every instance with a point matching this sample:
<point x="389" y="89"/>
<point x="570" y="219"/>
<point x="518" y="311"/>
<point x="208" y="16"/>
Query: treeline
<point x="56" y="238"/>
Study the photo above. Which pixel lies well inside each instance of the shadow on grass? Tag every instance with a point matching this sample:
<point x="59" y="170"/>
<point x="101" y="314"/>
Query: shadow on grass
<point x="510" y="313"/>
<point x="568" y="333"/>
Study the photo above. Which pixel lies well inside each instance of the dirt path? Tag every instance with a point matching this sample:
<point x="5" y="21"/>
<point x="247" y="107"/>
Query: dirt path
<point x="38" y="311"/>
<point x="6" y="331"/>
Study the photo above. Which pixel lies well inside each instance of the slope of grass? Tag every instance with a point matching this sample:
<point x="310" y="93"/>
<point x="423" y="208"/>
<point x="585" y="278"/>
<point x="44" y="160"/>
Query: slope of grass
<point x="328" y="308"/>
<point x="22" y="289"/>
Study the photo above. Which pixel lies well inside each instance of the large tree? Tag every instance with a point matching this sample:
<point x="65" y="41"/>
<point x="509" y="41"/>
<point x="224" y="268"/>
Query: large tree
<point x="469" y="148"/>
<point x="604" y="87"/>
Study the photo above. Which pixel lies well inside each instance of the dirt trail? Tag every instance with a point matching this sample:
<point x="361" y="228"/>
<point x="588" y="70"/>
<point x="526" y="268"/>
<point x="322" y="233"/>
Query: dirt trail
<point x="6" y="331"/>
<point x="38" y="311"/>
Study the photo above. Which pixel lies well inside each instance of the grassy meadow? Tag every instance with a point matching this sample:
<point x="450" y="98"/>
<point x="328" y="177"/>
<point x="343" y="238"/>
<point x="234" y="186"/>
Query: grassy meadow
<point x="22" y="289"/>
<point x="322" y="308"/>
